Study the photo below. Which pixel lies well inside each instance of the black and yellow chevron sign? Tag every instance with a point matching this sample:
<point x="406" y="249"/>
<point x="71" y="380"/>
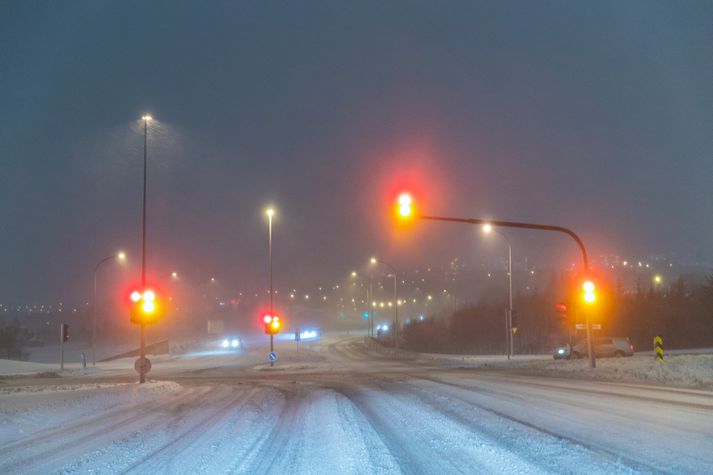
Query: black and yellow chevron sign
<point x="658" y="348"/>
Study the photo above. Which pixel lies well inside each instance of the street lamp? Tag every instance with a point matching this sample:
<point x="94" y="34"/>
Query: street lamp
<point x="488" y="229"/>
<point x="121" y="257"/>
<point x="368" y="315"/>
<point x="270" y="213"/>
<point x="375" y="261"/>
<point x="142" y="347"/>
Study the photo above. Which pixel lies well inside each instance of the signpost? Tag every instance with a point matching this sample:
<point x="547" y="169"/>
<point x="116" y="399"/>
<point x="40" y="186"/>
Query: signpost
<point x="658" y="349"/>
<point x="272" y="357"/>
<point x="63" y="336"/>
<point x="142" y="365"/>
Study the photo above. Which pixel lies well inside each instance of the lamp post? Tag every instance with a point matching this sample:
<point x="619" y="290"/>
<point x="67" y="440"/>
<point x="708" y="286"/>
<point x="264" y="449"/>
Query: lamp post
<point x="368" y="315"/>
<point x="142" y="347"/>
<point x="120" y="256"/>
<point x="487" y="229"/>
<point x="374" y="260"/>
<point x="270" y="213"/>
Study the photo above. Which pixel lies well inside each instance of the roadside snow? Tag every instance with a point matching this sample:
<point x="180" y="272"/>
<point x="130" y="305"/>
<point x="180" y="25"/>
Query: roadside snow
<point x="693" y="370"/>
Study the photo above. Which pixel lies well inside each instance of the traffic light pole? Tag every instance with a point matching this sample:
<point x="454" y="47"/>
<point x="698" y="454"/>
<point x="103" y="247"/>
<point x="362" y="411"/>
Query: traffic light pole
<point x="539" y="227"/>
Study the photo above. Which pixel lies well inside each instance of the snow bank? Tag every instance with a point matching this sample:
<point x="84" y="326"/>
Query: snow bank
<point x="694" y="371"/>
<point x="680" y="370"/>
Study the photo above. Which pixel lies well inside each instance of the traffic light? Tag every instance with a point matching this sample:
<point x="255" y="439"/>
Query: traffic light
<point x="404" y="207"/>
<point x="365" y="315"/>
<point x="513" y="320"/>
<point x="65" y="332"/>
<point x="588" y="292"/>
<point x="144" y="306"/>
<point x="561" y="311"/>
<point x="272" y="324"/>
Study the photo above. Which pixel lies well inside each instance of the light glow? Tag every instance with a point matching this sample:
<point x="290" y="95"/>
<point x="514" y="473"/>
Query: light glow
<point x="405" y="205"/>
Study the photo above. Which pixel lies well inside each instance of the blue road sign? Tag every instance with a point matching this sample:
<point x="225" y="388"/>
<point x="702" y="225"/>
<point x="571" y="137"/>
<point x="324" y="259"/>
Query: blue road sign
<point x="272" y="356"/>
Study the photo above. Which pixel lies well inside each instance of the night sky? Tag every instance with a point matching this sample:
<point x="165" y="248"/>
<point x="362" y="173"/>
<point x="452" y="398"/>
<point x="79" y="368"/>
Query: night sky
<point x="594" y="115"/>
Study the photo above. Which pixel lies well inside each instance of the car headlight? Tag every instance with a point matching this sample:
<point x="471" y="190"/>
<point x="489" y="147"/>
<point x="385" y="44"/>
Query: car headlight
<point x="235" y="343"/>
<point x="225" y="343"/>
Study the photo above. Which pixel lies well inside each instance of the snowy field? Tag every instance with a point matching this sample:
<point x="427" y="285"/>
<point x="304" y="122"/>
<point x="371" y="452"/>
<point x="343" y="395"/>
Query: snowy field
<point x="348" y="406"/>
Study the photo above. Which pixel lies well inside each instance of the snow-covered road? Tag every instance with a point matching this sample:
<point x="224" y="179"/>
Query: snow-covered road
<point x="342" y="406"/>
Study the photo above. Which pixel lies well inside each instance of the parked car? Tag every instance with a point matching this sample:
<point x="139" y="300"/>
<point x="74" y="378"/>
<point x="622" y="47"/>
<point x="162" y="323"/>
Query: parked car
<point x="604" y="346"/>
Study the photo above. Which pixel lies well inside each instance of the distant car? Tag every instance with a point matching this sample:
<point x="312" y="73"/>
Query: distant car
<point x="231" y="343"/>
<point x="562" y="352"/>
<point x="603" y="346"/>
<point x="308" y="334"/>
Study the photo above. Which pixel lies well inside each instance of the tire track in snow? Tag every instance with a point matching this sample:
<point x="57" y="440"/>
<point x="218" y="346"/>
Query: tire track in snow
<point x="59" y="447"/>
<point x="164" y="458"/>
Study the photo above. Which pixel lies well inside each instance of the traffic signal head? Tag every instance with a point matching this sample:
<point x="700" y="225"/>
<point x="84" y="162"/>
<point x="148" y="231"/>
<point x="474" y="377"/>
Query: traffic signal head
<point x="588" y="292"/>
<point x="65" y="332"/>
<point x="561" y="312"/>
<point x="272" y="324"/>
<point x="144" y="306"/>
<point x="404" y="207"/>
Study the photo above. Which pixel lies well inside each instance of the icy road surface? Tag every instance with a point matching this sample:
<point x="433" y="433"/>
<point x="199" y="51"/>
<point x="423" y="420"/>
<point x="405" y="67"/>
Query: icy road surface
<point x="342" y="406"/>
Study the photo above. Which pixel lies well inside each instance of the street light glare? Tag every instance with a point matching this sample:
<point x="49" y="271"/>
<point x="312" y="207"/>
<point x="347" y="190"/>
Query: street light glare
<point x="121" y="256"/>
<point x="270" y="212"/>
<point x="147" y="118"/>
<point x="373" y="260"/>
<point x="487" y="228"/>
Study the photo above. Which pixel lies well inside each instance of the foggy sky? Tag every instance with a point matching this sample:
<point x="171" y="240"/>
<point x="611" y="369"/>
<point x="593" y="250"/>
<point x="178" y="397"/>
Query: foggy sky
<point x="594" y="115"/>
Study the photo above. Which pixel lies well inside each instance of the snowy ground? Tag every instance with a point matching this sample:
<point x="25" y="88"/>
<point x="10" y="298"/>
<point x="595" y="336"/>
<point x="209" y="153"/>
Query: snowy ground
<point x="344" y="406"/>
<point x="682" y="368"/>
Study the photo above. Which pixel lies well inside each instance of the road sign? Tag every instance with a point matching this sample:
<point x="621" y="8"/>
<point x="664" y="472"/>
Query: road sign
<point x="272" y="357"/>
<point x="582" y="326"/>
<point x="658" y="349"/>
<point x="298" y="335"/>
<point x="142" y="361"/>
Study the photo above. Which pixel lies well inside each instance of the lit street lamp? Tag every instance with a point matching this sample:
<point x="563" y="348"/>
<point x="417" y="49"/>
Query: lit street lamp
<point x="375" y="261"/>
<point x="270" y="213"/>
<point x="142" y="348"/>
<point x="120" y="256"/>
<point x="487" y="229"/>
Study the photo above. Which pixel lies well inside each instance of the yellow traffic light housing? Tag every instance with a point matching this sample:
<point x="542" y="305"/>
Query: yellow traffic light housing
<point x="589" y="292"/>
<point x="145" y="307"/>
<point x="404" y="207"/>
<point x="272" y="324"/>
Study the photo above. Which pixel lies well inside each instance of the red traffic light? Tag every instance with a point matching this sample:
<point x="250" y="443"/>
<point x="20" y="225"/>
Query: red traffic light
<point x="561" y="308"/>
<point x="144" y="306"/>
<point x="272" y="324"/>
